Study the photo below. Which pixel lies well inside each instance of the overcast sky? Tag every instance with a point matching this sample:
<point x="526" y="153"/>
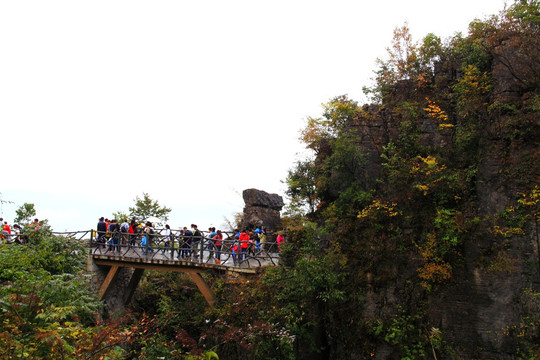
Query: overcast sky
<point x="189" y="101"/>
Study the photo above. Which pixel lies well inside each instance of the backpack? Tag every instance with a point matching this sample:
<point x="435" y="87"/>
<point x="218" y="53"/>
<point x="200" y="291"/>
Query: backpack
<point x="116" y="232"/>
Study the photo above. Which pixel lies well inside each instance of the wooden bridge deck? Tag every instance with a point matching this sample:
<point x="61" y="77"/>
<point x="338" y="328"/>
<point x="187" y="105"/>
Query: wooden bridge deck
<point x="166" y="264"/>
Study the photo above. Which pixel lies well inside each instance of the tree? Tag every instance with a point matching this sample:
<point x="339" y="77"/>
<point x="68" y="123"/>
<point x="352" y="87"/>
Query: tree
<point x="301" y="186"/>
<point x="25" y="213"/>
<point x="512" y="39"/>
<point x="403" y="55"/>
<point x="146" y="207"/>
<point x="403" y="64"/>
<point x="120" y="216"/>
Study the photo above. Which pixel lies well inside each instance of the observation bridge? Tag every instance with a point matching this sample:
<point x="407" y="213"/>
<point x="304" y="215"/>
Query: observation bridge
<point x="118" y="262"/>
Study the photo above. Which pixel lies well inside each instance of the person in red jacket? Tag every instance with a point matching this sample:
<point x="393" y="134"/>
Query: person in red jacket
<point x="280" y="240"/>
<point x="244" y="244"/>
<point x="234" y="251"/>
<point x="218" y="244"/>
<point x="6" y="230"/>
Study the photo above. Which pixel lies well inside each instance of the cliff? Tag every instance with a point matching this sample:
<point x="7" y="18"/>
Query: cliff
<point x="431" y="198"/>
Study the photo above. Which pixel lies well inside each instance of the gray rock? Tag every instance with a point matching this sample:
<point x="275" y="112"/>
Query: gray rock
<point x="259" y="198"/>
<point x="262" y="209"/>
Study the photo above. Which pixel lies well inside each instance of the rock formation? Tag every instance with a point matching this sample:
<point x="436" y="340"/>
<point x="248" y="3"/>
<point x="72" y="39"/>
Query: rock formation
<point x="262" y="209"/>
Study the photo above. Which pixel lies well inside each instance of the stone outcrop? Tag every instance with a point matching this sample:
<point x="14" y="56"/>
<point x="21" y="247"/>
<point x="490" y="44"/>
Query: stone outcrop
<point x="116" y="293"/>
<point x="262" y="209"/>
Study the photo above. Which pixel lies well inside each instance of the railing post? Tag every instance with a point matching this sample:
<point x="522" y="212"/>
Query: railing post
<point x="201" y="249"/>
<point x="147" y="236"/>
<point x="91" y="239"/>
<point x="171" y="240"/>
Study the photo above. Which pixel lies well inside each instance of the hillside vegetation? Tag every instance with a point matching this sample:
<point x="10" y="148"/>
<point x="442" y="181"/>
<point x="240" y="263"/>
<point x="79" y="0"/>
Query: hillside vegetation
<point x="429" y="197"/>
<point x="412" y="231"/>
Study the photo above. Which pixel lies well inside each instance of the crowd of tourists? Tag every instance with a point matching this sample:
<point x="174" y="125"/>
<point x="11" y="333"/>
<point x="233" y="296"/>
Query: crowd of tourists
<point x="16" y="233"/>
<point x="121" y="236"/>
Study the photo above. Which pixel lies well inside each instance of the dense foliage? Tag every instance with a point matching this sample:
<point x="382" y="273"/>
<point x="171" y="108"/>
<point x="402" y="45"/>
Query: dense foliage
<point x="399" y="201"/>
<point x="46" y="303"/>
<point x="49" y="310"/>
<point x="406" y="186"/>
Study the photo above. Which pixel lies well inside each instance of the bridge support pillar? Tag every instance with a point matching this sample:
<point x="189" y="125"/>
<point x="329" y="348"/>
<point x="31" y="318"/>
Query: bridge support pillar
<point x="132" y="286"/>
<point x="203" y="288"/>
<point x="110" y="276"/>
<point x="117" y="277"/>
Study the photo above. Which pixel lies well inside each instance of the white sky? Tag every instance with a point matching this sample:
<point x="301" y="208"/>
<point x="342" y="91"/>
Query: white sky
<point x="189" y="101"/>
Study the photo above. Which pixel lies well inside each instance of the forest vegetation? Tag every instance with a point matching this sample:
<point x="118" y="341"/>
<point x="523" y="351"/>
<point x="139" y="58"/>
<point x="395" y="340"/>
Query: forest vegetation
<point x="412" y="231"/>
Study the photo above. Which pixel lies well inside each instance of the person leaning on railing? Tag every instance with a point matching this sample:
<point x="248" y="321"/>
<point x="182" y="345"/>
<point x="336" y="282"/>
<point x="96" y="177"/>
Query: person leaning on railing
<point x="148" y="237"/>
<point x="262" y="239"/>
<point x="251" y="247"/>
<point x="124" y="229"/>
<point x="132" y="231"/>
<point x="101" y="230"/>
<point x="218" y="244"/>
<point x="6" y="231"/>
<point x="280" y="239"/>
<point x="244" y="244"/>
<point x="17" y="234"/>
<point x="187" y="242"/>
<point x="166" y="233"/>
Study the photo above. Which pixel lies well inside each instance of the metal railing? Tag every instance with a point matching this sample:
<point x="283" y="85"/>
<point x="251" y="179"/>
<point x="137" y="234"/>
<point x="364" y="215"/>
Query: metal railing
<point x="26" y="236"/>
<point x="174" y="247"/>
<point x="190" y="248"/>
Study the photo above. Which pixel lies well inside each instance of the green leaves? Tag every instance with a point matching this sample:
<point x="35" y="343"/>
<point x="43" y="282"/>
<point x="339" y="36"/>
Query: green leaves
<point x="146" y="207"/>
<point x="340" y="111"/>
<point x="313" y="284"/>
<point x="301" y="187"/>
<point x="44" y="296"/>
<point x="25" y="213"/>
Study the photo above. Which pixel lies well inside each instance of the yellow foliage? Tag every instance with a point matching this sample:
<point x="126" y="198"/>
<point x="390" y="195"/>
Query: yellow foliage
<point x="378" y="208"/>
<point x="527" y="208"/>
<point x="429" y="160"/>
<point x="507" y="232"/>
<point x="435" y="111"/>
<point x="428" y="172"/>
<point x="434" y="273"/>
<point x="531" y="202"/>
<point x="421" y="80"/>
<point x="435" y="269"/>
<point x="503" y="263"/>
<point x="423" y="188"/>
<point x="475" y="82"/>
<point x="315" y="129"/>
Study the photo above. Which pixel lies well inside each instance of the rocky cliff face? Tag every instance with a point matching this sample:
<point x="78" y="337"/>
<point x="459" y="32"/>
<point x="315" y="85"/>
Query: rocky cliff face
<point x="484" y="304"/>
